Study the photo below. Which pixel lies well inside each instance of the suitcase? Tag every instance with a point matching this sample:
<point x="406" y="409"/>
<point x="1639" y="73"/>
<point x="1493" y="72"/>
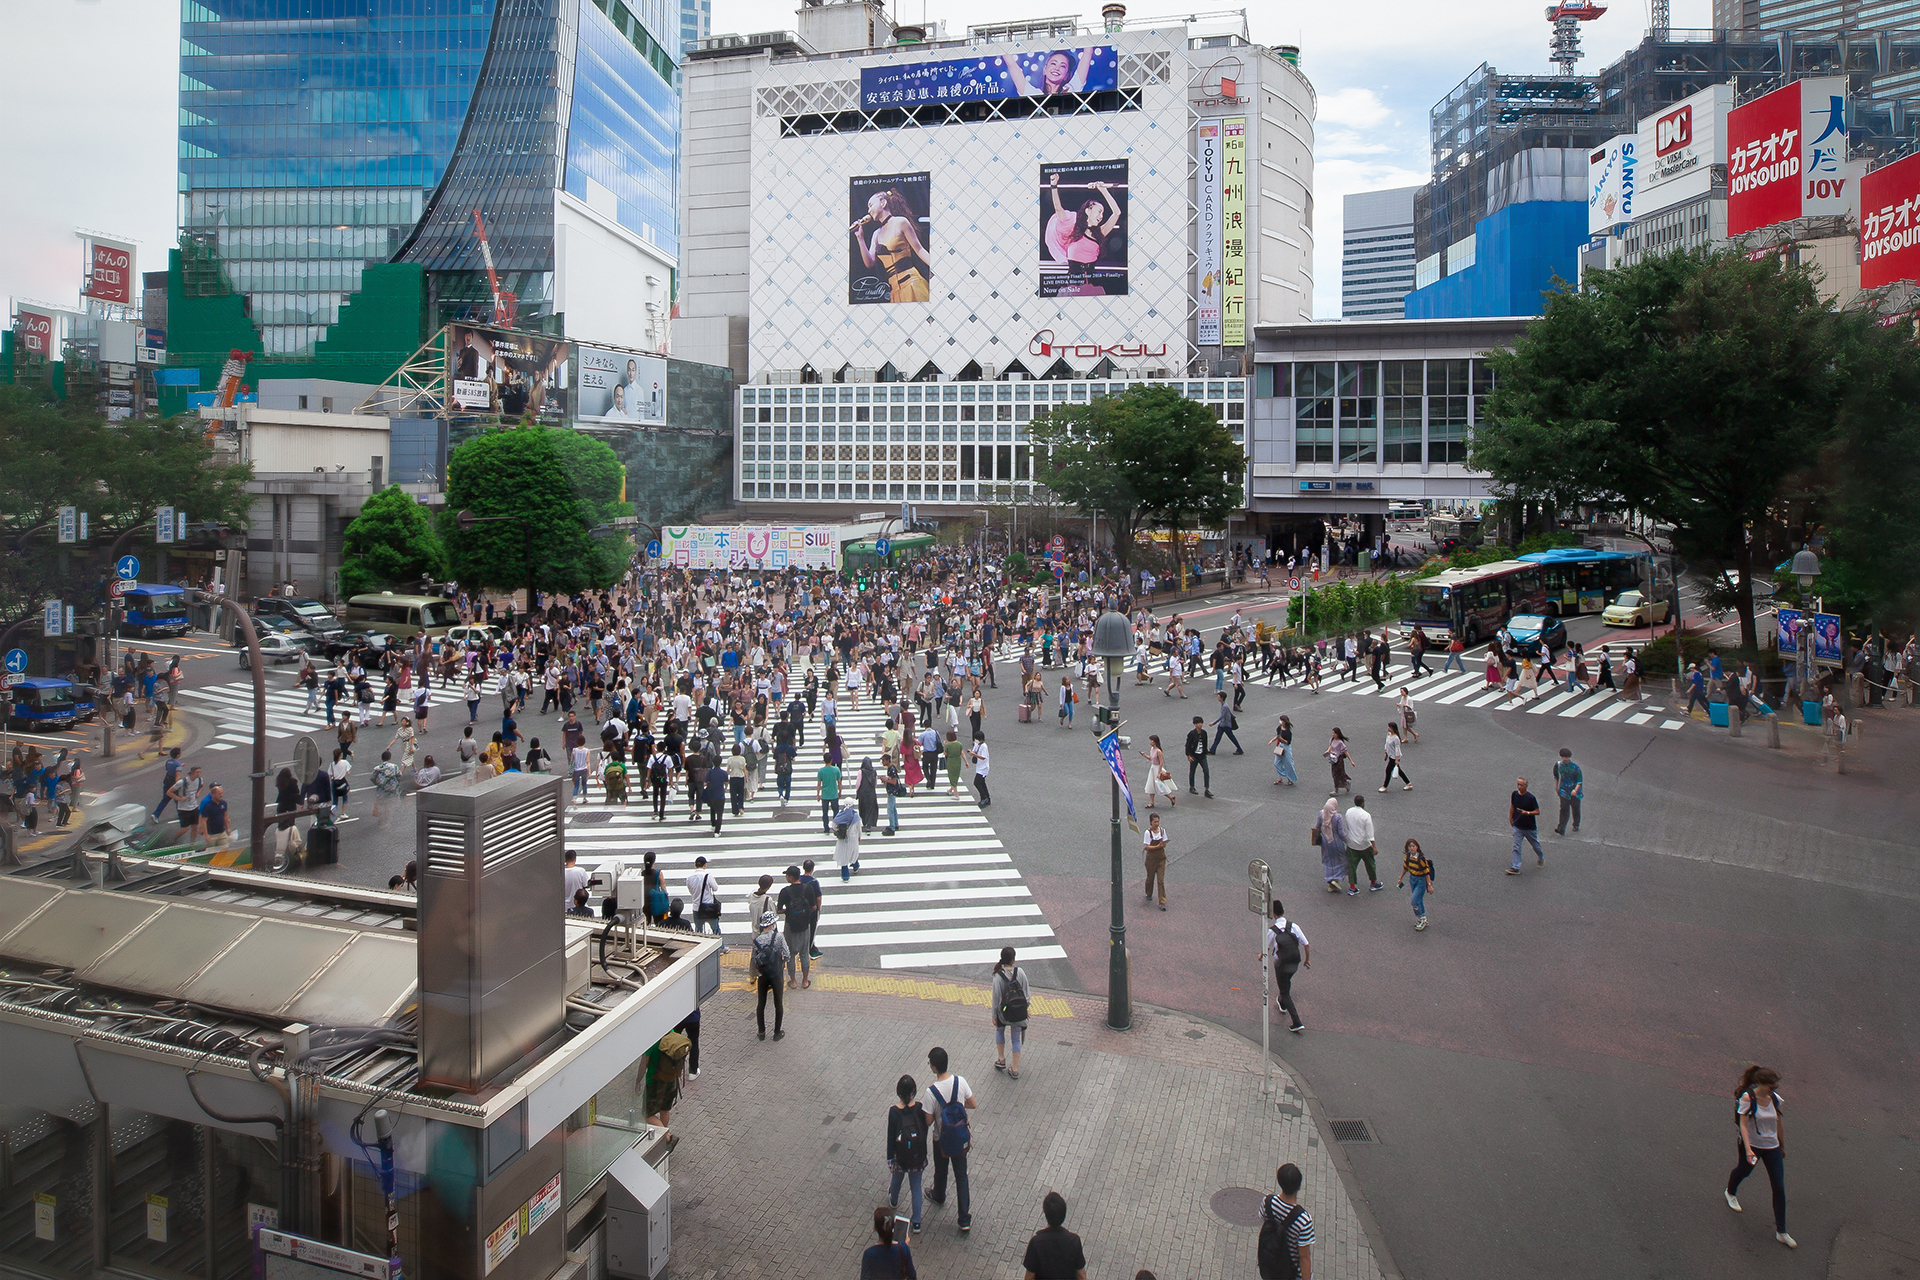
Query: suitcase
<point x="1810" y="712"/>
<point x="323" y="846"/>
<point x="1717" y="714"/>
<point x="1026" y="713"/>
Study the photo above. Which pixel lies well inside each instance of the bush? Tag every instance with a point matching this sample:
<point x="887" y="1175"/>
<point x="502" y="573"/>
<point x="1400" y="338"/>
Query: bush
<point x="1656" y="657"/>
<point x="1368" y="601"/>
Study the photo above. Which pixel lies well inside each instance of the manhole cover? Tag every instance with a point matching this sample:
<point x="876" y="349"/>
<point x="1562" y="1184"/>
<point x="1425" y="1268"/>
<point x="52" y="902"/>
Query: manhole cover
<point x="790" y="815"/>
<point x="1350" y="1131"/>
<point x="588" y="819"/>
<point x="1238" y="1205"/>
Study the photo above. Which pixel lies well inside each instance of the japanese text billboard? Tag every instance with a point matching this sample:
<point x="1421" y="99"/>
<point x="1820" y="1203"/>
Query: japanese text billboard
<point x="751" y="546"/>
<point x="503" y="372"/>
<point x="1083" y="234"/>
<point x="620" y="389"/>
<point x="1000" y="75"/>
<point x="1233" y="237"/>
<point x="1787" y="155"/>
<point x="1206" y="267"/>
<point x="109" y="272"/>
<point x="37" y="331"/>
<point x="888" y="258"/>
<point x="1890" y="223"/>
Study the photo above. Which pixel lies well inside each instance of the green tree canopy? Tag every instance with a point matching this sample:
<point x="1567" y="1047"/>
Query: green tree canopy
<point x="563" y="483"/>
<point x="391" y="542"/>
<point x="1690" y="386"/>
<point x="61" y="453"/>
<point x="1148" y="456"/>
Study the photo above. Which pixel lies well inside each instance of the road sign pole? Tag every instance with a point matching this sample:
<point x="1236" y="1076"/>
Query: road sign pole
<point x="1259" y="894"/>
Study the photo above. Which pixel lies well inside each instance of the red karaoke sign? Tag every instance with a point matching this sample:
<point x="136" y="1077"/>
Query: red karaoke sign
<point x="1890" y="223"/>
<point x="1763" y="161"/>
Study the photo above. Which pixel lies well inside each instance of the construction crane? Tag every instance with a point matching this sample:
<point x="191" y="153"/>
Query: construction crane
<point x="1566" y="17"/>
<point x="505" y="305"/>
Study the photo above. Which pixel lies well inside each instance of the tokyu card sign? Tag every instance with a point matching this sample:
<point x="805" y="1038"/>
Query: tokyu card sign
<point x="1890" y="223"/>
<point x="1787" y="155"/>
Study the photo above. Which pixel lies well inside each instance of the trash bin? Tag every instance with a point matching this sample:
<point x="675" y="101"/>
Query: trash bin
<point x="1366" y="562"/>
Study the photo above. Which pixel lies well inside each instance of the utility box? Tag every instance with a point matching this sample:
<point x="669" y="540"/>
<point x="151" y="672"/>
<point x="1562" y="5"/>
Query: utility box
<point x="638" y="1213"/>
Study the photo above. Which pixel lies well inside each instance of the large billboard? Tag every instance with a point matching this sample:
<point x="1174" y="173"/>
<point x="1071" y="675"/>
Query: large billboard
<point x="751" y="546"/>
<point x="511" y="374"/>
<point x="1233" y="239"/>
<point x="1088" y="69"/>
<point x="1787" y="155"/>
<point x="1610" y="183"/>
<point x="1206" y="199"/>
<point x="887" y="254"/>
<point x="38" y="331"/>
<point x="109" y="272"/>
<point x="1890" y="223"/>
<point x="620" y="388"/>
<point x="1083" y="232"/>
<point x="1677" y="149"/>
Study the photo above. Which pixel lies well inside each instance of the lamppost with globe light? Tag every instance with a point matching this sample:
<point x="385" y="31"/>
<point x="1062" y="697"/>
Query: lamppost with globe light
<point x="1113" y="643"/>
<point x="1806" y="567"/>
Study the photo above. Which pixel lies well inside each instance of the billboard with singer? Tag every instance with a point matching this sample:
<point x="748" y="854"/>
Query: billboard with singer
<point x="1083" y="229"/>
<point x="1037" y="73"/>
<point x="887" y="258"/>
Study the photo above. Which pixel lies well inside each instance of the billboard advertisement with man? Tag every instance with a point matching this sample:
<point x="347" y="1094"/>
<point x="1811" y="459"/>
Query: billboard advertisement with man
<point x="620" y="389"/>
<point x="506" y="373"/>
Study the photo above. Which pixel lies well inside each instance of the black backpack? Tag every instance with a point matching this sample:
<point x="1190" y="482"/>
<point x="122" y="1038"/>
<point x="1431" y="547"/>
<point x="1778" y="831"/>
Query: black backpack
<point x="1286" y="949"/>
<point x="766" y="959"/>
<point x="1013" y="1005"/>
<point x="910" y="1144"/>
<point x="1277" y="1262"/>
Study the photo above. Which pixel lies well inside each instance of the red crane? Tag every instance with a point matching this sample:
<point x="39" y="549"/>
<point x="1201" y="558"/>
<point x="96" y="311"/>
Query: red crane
<point x="505" y="305"/>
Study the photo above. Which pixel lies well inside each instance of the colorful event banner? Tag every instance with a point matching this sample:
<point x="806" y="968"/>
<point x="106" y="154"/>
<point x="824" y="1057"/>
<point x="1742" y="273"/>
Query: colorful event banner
<point x="1826" y="634"/>
<point x="1233" y="241"/>
<point x="751" y="546"/>
<point x="1011" y="75"/>
<point x="1206" y="267"/>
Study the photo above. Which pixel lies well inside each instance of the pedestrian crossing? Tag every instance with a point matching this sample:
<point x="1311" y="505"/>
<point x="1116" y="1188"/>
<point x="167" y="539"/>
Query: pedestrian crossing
<point x="230" y="707"/>
<point x="943" y="891"/>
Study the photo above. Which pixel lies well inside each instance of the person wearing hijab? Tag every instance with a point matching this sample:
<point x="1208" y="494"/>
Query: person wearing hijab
<point x="1331" y="829"/>
<point x="867" y="796"/>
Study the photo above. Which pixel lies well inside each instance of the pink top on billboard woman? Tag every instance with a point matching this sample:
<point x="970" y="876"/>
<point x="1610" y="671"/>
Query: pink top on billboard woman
<point x="1075" y="235"/>
<point x="1064" y="71"/>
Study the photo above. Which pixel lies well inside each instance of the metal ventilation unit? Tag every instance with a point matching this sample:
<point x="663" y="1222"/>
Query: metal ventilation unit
<point x="492" y="930"/>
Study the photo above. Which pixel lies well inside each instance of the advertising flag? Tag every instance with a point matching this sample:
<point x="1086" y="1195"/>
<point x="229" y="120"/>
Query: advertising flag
<point x="1110" y="748"/>
<point x="1206" y="197"/>
<point x="1233" y="240"/>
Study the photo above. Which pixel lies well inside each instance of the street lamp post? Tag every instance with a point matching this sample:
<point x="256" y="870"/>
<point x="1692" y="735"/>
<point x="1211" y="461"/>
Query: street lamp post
<point x="1113" y="642"/>
<point x="1806" y="567"/>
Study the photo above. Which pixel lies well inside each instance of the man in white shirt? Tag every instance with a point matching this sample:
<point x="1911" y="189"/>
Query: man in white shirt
<point x="1283" y="940"/>
<point x="574" y="878"/>
<point x="947" y="1088"/>
<point x="980" y="766"/>
<point x="1360" y="848"/>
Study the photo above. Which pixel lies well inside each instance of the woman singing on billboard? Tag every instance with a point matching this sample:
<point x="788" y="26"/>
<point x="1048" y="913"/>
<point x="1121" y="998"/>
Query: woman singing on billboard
<point x="892" y="265"/>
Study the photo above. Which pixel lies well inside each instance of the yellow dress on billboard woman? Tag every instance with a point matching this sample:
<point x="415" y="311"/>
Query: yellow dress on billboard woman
<point x="908" y="283"/>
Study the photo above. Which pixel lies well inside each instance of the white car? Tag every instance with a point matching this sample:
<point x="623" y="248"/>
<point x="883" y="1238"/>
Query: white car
<point x="277" y="647"/>
<point x="1632" y="609"/>
<point x="478" y="633"/>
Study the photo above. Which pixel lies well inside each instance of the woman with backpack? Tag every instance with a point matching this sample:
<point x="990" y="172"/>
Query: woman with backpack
<point x="1012" y="997"/>
<point x="908" y="1125"/>
<point x="1756" y="1114"/>
<point x="768" y="962"/>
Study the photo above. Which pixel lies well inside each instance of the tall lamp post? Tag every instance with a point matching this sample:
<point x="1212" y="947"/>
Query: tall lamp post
<point x="1113" y="642"/>
<point x="1806" y="567"/>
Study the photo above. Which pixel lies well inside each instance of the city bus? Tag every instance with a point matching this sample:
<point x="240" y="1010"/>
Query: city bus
<point x="45" y="702"/>
<point x="1581" y="580"/>
<point x="155" y="611"/>
<point x="402" y="617"/>
<point x="1474" y="603"/>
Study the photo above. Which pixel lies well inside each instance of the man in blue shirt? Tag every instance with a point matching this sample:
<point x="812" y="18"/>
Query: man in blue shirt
<point x="213" y="819"/>
<point x="1572" y="786"/>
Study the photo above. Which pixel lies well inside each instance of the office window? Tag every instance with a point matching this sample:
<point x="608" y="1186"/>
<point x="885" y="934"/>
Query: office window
<point x="1359" y="411"/>
<point x="1313" y="386"/>
<point x="1402" y="387"/>
<point x="1447" y="394"/>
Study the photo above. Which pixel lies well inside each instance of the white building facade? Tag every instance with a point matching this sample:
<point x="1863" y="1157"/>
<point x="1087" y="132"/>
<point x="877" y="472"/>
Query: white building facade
<point x="1376" y="254"/>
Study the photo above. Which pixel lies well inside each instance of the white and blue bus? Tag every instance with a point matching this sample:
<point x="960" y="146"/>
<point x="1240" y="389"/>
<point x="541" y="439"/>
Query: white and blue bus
<point x="1581" y="580"/>
<point x="155" y="611"/>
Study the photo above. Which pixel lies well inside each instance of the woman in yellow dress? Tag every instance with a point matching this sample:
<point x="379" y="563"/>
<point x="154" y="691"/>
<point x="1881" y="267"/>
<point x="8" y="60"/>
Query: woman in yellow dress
<point x="893" y="245"/>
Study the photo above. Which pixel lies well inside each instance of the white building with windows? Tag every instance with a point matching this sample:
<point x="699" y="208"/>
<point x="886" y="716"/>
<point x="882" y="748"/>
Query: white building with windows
<point x="1376" y="254"/>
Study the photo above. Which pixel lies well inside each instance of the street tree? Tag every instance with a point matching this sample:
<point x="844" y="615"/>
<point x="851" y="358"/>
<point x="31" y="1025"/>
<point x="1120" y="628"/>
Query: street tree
<point x="391" y="542"/>
<point x="1147" y="456"/>
<point x="1690" y="386"/>
<point x="57" y="453"/>
<point x="561" y="483"/>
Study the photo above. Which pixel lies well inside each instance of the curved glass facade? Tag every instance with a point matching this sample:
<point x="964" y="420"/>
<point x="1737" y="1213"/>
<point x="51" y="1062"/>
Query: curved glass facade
<point x="317" y="136"/>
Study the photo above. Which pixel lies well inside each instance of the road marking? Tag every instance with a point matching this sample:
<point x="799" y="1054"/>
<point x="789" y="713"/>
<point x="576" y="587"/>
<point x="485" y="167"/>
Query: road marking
<point x="1673" y="724"/>
<point x="1618" y="705"/>
<point x="1642" y="718"/>
<point x="912" y="959"/>
<point x="1541" y="708"/>
<point x="1588" y="701"/>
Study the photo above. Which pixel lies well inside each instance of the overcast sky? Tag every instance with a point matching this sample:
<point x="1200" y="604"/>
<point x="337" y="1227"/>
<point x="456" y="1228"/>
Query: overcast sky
<point x="96" y="149"/>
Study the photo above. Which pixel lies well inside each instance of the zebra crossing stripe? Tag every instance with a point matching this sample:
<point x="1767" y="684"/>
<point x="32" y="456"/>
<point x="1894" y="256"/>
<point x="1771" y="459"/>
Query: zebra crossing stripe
<point x="1613" y="709"/>
<point x="1541" y="708"/>
<point x="929" y="959"/>
<point x="1587" y="703"/>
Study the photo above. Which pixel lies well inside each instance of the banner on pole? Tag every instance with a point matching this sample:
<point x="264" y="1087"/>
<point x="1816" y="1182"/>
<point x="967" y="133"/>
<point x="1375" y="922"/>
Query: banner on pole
<point x="1110" y="748"/>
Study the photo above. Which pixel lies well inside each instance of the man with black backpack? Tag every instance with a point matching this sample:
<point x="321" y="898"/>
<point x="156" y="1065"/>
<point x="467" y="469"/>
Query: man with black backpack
<point x="1286" y="1231"/>
<point x="948" y="1100"/>
<point x="797" y="904"/>
<point x="1287" y="951"/>
<point x="769" y="957"/>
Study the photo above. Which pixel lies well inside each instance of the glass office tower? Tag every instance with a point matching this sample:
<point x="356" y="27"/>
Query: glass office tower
<point x="319" y="136"/>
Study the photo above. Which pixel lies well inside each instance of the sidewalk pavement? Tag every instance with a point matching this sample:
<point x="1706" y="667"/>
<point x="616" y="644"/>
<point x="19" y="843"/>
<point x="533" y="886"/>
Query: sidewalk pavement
<point x="1152" y="1135"/>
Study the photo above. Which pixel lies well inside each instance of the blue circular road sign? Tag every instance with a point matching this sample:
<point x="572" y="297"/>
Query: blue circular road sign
<point x="653" y="549"/>
<point x="16" y="660"/>
<point x="881" y="547"/>
<point x="127" y="566"/>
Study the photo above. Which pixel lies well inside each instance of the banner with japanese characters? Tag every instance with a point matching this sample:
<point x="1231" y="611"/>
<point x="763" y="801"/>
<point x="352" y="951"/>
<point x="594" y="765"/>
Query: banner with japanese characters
<point x="1233" y="241"/>
<point x="751" y="546"/>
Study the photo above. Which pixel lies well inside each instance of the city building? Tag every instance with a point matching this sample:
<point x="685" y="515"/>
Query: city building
<point x="312" y="153"/>
<point x="1016" y="205"/>
<point x="1348" y="418"/>
<point x="696" y="21"/>
<point x="1376" y="253"/>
